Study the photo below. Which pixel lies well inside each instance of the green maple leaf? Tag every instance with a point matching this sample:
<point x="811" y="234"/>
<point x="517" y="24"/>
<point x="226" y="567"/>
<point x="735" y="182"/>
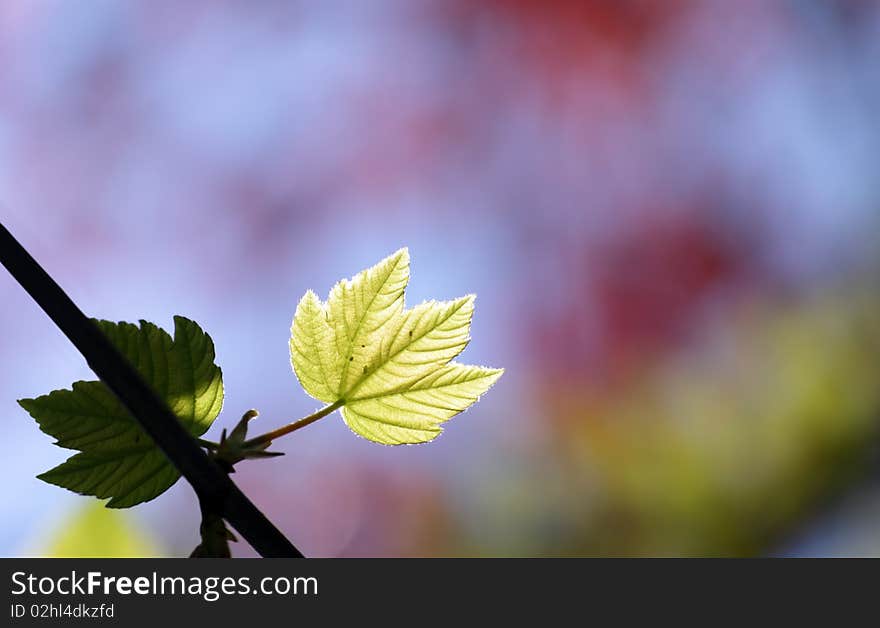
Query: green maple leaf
<point x="117" y="458"/>
<point x="389" y="369"/>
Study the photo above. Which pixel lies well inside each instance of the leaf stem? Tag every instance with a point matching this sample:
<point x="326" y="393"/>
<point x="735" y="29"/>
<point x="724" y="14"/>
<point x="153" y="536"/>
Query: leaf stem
<point x="208" y="444"/>
<point x="268" y="437"/>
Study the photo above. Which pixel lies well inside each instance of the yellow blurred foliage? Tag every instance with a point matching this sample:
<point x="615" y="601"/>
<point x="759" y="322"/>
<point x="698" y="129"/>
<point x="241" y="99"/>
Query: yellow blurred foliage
<point x="722" y="449"/>
<point x="93" y="531"/>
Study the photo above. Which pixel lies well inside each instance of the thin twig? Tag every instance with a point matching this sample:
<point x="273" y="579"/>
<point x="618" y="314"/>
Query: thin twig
<point x="212" y="486"/>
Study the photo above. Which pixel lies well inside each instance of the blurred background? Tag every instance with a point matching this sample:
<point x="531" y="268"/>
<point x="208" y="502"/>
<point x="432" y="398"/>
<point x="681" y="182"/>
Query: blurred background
<point x="669" y="211"/>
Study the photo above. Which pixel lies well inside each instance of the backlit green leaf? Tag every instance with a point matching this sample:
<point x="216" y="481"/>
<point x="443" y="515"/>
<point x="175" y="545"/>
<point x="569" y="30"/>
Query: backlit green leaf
<point x="388" y="368"/>
<point x="117" y="459"/>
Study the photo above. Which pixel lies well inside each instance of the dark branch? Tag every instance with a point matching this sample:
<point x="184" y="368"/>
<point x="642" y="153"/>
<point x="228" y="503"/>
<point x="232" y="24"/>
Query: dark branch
<point x="213" y="487"/>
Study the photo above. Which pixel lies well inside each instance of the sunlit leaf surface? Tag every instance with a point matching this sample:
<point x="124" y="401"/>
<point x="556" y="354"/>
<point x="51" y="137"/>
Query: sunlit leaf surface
<point x="388" y="368"/>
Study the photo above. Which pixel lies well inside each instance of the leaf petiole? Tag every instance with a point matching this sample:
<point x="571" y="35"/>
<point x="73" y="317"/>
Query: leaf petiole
<point x="268" y="437"/>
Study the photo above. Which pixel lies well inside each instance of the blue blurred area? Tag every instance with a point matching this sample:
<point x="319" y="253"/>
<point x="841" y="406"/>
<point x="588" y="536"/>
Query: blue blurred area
<point x="655" y="202"/>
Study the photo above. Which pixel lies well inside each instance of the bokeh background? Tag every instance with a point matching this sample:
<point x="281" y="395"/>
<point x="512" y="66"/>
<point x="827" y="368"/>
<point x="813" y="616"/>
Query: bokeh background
<point x="669" y="211"/>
